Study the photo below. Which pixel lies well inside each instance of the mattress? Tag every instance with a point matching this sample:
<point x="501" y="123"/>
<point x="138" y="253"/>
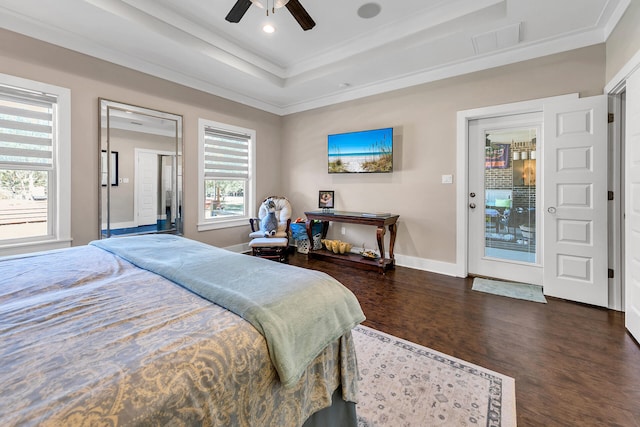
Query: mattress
<point x="87" y="338"/>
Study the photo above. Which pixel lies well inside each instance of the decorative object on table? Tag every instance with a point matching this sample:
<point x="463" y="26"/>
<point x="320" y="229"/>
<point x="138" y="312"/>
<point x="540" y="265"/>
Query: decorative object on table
<point x="269" y="224"/>
<point x="381" y="223"/>
<point x="337" y="246"/>
<point x="274" y="247"/>
<point x="405" y="384"/>
<point x="325" y="199"/>
<point x="369" y="254"/>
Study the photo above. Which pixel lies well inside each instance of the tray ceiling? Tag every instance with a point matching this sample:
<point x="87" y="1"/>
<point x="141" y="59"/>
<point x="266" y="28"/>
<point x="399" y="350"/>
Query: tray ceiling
<point x="344" y="57"/>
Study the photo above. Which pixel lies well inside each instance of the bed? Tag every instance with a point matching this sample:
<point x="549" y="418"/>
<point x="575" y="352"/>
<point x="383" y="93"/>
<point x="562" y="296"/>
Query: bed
<point x="123" y="332"/>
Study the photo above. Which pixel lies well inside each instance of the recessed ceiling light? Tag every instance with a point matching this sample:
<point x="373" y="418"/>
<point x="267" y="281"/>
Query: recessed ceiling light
<point x="369" y="10"/>
<point x="269" y="28"/>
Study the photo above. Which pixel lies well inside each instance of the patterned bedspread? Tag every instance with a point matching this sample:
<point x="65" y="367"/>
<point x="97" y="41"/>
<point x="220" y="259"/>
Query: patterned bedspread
<point x="88" y="339"/>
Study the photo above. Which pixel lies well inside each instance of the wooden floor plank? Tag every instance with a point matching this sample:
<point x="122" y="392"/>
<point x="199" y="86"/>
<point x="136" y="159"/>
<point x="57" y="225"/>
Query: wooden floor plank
<point x="574" y="364"/>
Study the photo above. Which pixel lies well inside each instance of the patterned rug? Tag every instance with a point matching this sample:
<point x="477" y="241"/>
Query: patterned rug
<point x="509" y="289"/>
<point x="405" y="384"/>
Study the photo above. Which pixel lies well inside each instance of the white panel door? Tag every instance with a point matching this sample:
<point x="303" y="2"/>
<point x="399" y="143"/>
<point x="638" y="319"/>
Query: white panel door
<point x="575" y="200"/>
<point x="632" y="206"/>
<point x="146" y="188"/>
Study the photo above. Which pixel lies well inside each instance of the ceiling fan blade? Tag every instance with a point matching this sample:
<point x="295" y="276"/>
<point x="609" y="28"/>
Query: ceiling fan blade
<point x="300" y="14"/>
<point x="238" y="10"/>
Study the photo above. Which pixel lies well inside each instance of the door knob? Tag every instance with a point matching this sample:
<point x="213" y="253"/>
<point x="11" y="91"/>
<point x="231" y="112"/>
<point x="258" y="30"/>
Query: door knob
<point x="551" y="210"/>
<point x="472" y="205"/>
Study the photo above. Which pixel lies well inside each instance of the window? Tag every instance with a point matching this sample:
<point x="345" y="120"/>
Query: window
<point x="226" y="185"/>
<point x="34" y="166"/>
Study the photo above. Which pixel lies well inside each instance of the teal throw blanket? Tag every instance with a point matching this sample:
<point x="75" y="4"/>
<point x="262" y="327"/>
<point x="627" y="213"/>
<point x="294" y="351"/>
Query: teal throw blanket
<point x="298" y="311"/>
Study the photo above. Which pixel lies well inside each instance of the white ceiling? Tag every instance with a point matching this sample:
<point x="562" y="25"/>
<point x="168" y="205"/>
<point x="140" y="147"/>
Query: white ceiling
<point x="344" y="57"/>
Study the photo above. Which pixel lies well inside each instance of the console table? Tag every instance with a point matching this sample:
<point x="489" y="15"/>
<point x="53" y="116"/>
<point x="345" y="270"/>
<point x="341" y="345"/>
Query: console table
<point x="380" y="221"/>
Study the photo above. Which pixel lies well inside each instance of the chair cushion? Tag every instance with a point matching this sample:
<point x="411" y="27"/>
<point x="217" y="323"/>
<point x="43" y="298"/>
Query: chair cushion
<point x="258" y="234"/>
<point x="269" y="242"/>
<point x="283" y="211"/>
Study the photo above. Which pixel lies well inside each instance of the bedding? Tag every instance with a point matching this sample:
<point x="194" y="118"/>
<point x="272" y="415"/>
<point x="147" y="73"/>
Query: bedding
<point x="87" y="338"/>
<point x="298" y="311"/>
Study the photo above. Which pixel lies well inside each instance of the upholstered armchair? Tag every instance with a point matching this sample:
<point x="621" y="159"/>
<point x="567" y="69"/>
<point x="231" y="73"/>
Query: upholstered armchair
<point x="273" y="247"/>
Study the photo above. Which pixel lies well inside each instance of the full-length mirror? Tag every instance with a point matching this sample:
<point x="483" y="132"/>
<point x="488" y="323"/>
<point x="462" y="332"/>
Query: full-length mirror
<point x="140" y="170"/>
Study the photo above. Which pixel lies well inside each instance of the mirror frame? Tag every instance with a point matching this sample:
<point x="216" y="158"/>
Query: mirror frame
<point x="106" y="107"/>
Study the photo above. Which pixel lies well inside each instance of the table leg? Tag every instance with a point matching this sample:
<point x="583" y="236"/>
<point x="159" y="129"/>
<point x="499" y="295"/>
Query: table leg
<point x="380" y="237"/>
<point x="325" y="229"/>
<point x="392" y="239"/>
<point x="309" y="224"/>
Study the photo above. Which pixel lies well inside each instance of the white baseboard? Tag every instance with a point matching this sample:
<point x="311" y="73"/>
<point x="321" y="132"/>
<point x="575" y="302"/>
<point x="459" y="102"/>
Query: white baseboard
<point x="439" y="267"/>
<point x="239" y="248"/>
<point x="433" y="266"/>
<point x="118" y="225"/>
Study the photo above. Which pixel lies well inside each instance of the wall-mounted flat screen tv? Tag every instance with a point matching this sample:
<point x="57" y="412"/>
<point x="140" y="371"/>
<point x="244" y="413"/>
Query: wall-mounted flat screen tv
<point x="367" y="151"/>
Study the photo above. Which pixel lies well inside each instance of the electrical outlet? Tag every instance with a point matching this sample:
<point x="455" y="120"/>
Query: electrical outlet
<point x="343" y="231"/>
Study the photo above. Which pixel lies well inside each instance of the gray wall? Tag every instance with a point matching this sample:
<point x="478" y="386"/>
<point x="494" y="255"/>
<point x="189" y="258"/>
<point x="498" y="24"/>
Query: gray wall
<point x="291" y="150"/>
<point x="90" y="79"/>
<point x="624" y="41"/>
<point x="424" y="118"/>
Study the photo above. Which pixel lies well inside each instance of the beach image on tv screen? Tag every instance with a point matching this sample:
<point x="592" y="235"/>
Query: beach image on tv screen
<point x="361" y="152"/>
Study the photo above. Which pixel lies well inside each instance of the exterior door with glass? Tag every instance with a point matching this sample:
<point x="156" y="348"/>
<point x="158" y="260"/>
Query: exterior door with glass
<point x="504" y="182"/>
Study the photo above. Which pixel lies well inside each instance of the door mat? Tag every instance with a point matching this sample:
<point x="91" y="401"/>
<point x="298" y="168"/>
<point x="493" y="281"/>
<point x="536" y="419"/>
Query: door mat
<point x="522" y="291"/>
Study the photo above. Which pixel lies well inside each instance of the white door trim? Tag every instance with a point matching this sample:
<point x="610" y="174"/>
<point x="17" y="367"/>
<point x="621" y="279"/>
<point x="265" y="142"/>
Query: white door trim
<point x="617" y="84"/>
<point x="616" y="214"/>
<point x="462" y="163"/>
<point x="614" y="88"/>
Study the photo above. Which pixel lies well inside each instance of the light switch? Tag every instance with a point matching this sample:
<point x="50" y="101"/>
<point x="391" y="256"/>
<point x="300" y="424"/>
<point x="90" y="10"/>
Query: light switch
<point x="447" y="179"/>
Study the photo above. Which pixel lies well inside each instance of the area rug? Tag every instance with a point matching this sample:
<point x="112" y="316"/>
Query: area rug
<point x="509" y="289"/>
<point x="405" y="384"/>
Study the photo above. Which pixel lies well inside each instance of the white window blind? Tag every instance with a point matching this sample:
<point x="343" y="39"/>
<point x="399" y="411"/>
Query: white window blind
<point x="26" y="128"/>
<point x="226" y="154"/>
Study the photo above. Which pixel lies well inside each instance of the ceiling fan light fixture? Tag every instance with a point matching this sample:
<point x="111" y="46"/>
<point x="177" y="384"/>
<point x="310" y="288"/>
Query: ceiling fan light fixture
<point x="293" y="6"/>
<point x="265" y="4"/>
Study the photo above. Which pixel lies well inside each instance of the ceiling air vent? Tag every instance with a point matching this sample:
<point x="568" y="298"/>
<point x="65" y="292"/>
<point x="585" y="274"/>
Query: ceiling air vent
<point x="497" y="39"/>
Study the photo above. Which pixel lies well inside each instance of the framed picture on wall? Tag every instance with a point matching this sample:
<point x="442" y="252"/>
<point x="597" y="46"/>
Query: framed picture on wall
<point x="114" y="168"/>
<point x="325" y="199"/>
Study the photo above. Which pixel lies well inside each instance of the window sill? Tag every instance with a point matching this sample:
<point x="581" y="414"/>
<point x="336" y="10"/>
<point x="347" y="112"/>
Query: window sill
<point x="217" y="225"/>
<point x="36" y="246"/>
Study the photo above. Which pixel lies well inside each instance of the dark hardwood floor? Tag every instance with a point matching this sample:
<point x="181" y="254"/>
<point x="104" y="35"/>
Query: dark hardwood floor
<point x="573" y="364"/>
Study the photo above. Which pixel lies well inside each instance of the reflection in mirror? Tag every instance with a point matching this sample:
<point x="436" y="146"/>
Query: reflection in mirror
<point x="140" y="170"/>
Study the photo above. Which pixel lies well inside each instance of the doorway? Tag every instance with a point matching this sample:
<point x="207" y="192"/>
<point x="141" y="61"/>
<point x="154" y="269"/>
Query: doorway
<point x="155" y="189"/>
<point x="504" y="182"/>
<point x="571" y="211"/>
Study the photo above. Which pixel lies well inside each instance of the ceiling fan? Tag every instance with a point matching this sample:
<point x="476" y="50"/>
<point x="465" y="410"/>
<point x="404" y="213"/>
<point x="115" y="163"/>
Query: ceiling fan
<point x="299" y="13"/>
